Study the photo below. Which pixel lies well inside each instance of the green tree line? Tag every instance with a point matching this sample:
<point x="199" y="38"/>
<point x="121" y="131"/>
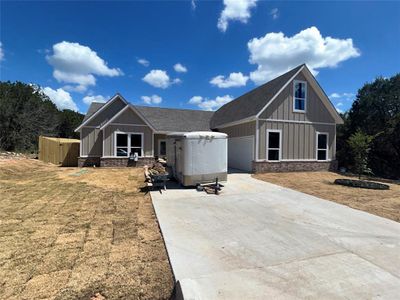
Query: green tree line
<point x="26" y="113"/>
<point x="373" y="120"/>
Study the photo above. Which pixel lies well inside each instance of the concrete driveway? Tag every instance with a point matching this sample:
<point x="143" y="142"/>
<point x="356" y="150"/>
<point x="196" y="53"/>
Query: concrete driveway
<point x="261" y="241"/>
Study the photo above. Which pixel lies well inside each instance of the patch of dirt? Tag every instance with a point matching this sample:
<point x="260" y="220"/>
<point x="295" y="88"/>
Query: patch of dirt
<point x="70" y="233"/>
<point x="384" y="203"/>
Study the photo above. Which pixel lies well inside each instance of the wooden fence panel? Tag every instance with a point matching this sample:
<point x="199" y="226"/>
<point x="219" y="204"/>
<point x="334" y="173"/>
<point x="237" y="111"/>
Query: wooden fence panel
<point x="59" y="151"/>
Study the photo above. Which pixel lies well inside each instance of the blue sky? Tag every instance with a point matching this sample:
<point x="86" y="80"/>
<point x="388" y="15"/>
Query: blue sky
<point x="80" y="52"/>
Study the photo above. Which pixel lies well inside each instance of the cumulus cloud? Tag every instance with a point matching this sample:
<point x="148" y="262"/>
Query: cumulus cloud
<point x="60" y="98"/>
<point x="210" y="104"/>
<point x="77" y="64"/>
<point x="94" y="98"/>
<point x="143" y="62"/>
<point x="180" y="68"/>
<point x="235" y="10"/>
<point x="342" y="96"/>
<point x="274" y="13"/>
<point x="154" y="99"/>
<point x="276" y="53"/>
<point x="1" y="52"/>
<point x="233" y="80"/>
<point x="159" y="79"/>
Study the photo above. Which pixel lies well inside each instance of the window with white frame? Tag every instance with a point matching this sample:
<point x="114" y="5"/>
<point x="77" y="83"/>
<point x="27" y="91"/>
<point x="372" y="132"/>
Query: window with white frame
<point x="299" y="96"/>
<point x="127" y="143"/>
<point x="322" y="146"/>
<point x="273" y="145"/>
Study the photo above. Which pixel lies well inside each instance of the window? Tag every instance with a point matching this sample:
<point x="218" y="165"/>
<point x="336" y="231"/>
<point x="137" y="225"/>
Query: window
<point x="162" y="147"/>
<point x="322" y="146"/>
<point x="300" y="94"/>
<point x="127" y="143"/>
<point x="273" y="144"/>
<point x="122" y="144"/>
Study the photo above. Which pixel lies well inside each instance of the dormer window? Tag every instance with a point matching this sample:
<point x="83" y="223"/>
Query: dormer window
<point x="299" y="96"/>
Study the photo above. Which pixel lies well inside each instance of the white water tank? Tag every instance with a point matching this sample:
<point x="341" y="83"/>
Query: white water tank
<point x="198" y="157"/>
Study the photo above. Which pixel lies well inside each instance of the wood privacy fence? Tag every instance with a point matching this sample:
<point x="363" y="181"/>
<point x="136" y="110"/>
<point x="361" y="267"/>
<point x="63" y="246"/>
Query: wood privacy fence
<point x="59" y="151"/>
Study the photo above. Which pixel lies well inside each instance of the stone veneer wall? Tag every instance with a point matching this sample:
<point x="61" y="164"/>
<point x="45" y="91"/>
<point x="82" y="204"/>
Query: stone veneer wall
<point x="113" y="162"/>
<point x="88" y="162"/>
<point x="293" y="166"/>
<point x="125" y="162"/>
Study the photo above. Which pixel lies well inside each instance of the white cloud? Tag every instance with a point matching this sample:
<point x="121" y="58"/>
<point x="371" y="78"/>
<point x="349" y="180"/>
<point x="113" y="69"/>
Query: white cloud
<point x="77" y="64"/>
<point x="234" y="80"/>
<point x="274" y="13"/>
<point x="339" y="104"/>
<point x="342" y="96"/>
<point x="210" y="104"/>
<point x="60" y="98"/>
<point x="143" y="62"/>
<point x="276" y="53"/>
<point x="193" y="4"/>
<point x="94" y="98"/>
<point x="154" y="99"/>
<point x="339" y="110"/>
<point x="180" y="68"/>
<point x="1" y="52"/>
<point x="159" y="79"/>
<point x="236" y="10"/>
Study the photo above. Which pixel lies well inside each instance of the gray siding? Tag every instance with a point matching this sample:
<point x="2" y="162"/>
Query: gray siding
<point x="298" y="140"/>
<point x="245" y="129"/>
<point x="282" y="107"/>
<point x="107" y="113"/>
<point x="109" y="137"/>
<point x="91" y="141"/>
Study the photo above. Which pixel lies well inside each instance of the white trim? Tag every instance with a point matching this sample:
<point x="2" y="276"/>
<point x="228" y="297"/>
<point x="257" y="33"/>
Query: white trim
<point x="129" y="143"/>
<point x="103" y="134"/>
<point x="125" y="124"/>
<point x="87" y="126"/>
<point x="297" y="122"/>
<point x="282" y="88"/>
<point x="238" y="122"/>
<point x="80" y="143"/>
<point x="159" y="146"/>
<point x="305" y="97"/>
<point x="267" y="144"/>
<point x="116" y="96"/>
<point x="257" y="137"/>
<point x="316" y="145"/>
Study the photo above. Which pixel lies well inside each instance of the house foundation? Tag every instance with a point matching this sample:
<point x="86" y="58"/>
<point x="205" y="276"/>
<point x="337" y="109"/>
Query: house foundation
<point x="293" y="166"/>
<point x="114" y="162"/>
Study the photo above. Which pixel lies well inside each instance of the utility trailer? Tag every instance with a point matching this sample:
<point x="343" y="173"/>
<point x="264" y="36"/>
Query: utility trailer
<point x="198" y="157"/>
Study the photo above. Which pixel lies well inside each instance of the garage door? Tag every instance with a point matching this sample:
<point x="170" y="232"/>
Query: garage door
<point x="240" y="152"/>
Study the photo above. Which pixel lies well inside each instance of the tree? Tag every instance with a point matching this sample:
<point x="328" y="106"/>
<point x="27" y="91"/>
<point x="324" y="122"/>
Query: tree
<point x="68" y="121"/>
<point x="375" y="110"/>
<point x="359" y="144"/>
<point x="26" y="113"/>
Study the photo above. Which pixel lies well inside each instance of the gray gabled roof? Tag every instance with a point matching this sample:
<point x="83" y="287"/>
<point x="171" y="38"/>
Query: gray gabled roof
<point x="170" y="119"/>
<point x="251" y="103"/>
<point x="167" y="119"/>
<point x="94" y="106"/>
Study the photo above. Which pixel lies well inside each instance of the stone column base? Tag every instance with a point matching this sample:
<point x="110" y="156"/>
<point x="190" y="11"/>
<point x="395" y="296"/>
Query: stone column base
<point x="294" y="166"/>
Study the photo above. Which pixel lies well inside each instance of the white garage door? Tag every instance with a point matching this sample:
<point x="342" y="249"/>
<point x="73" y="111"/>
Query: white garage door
<point x="240" y="152"/>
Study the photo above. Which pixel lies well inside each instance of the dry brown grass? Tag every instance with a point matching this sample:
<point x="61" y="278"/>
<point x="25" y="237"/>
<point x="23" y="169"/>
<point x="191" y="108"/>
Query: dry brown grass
<point x="384" y="203"/>
<point x="69" y="233"/>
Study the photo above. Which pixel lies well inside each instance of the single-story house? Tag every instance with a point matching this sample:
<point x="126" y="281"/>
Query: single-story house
<point x="286" y="124"/>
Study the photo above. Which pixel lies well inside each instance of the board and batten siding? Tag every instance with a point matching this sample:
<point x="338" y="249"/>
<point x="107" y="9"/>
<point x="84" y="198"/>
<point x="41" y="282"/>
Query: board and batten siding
<point x="282" y="107"/>
<point x="298" y="139"/>
<point x="245" y="129"/>
<point x="109" y="135"/>
<point x="105" y="115"/>
<point x="91" y="141"/>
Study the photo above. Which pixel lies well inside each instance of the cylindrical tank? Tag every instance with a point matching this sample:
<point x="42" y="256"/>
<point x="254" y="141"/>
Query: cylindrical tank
<point x="198" y="157"/>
